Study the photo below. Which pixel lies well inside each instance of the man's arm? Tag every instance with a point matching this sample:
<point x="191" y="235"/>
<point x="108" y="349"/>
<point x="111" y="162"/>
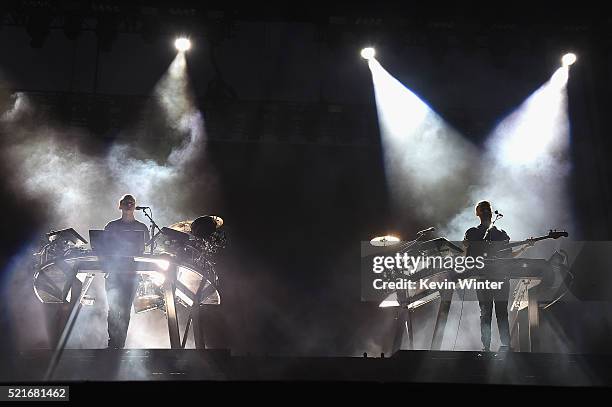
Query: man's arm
<point x="523" y="248"/>
<point x="466" y="242"/>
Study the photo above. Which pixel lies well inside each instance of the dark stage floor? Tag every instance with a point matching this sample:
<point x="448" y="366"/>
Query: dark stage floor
<point x="405" y="366"/>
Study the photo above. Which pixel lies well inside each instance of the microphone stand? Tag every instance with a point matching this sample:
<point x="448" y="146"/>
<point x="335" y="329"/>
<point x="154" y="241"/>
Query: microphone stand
<point x="153" y="226"/>
<point x="408" y="311"/>
<point x="487" y="236"/>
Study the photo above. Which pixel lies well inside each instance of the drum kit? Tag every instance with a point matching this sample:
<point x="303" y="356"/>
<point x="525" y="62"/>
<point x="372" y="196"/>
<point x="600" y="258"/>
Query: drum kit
<point x="193" y="241"/>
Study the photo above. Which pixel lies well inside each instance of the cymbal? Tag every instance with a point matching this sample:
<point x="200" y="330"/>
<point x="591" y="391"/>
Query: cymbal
<point x="218" y="220"/>
<point x="182" y="226"/>
<point x="185" y="225"/>
<point x="384" y="241"/>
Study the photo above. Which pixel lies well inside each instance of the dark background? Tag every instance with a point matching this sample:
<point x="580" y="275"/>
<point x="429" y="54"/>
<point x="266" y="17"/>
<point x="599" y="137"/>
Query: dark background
<point x="292" y="134"/>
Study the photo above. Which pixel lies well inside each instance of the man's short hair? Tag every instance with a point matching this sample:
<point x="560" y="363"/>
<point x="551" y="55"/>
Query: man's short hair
<point x="125" y="198"/>
<point x="482" y="204"/>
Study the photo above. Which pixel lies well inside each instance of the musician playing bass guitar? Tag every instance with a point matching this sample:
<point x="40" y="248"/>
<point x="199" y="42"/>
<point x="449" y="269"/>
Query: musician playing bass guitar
<point x="477" y="243"/>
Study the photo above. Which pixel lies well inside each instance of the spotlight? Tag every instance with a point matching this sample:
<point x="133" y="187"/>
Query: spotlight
<point x="368" y="53"/>
<point x="182" y="44"/>
<point x="568" y="59"/>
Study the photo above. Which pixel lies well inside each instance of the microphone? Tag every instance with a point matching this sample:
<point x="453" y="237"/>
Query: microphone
<point x="499" y="215"/>
<point x="141" y="208"/>
<point x="431" y="229"/>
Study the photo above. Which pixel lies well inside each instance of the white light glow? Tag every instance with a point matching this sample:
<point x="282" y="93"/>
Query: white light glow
<point x="368" y="53"/>
<point x="531" y="134"/>
<point x="161" y="263"/>
<point x="391" y="301"/>
<point x="184" y="297"/>
<point x="560" y="77"/>
<point x="388" y="303"/>
<point x="182" y="44"/>
<point x="568" y="59"/>
<point x="158" y="278"/>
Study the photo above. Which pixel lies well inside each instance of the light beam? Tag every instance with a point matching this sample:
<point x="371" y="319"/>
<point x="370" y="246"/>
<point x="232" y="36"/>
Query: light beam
<point x="426" y="160"/>
<point x="526" y="166"/>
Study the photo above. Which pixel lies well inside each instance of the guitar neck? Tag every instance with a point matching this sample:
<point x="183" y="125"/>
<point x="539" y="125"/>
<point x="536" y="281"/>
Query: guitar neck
<point x="522" y="242"/>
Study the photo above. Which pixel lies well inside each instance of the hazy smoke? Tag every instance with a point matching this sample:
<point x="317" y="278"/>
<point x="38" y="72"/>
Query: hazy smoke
<point x="437" y="175"/>
<point x="525" y="168"/>
<point x="428" y="164"/>
<point x="80" y="183"/>
<point x="83" y="190"/>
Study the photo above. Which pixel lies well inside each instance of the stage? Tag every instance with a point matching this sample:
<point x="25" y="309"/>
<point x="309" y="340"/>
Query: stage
<point x="424" y="367"/>
<point x="281" y="194"/>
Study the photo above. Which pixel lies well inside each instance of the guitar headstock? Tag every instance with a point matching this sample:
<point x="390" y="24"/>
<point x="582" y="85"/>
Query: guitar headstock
<point x="555" y="234"/>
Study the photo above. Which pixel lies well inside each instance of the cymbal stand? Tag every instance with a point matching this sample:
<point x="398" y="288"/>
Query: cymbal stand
<point x="404" y="313"/>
